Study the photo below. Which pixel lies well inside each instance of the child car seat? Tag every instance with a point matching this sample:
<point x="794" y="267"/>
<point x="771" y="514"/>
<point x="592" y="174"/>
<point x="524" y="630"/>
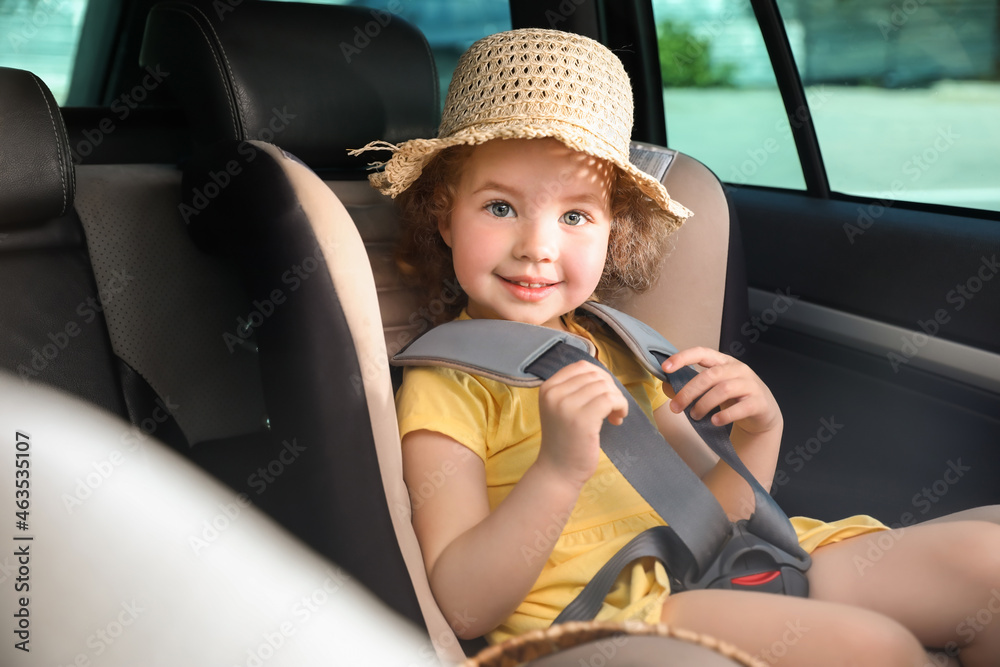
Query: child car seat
<point x="319" y="253"/>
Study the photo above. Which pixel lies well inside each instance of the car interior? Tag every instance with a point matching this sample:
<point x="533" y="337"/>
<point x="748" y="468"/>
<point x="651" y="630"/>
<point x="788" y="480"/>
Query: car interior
<point x="209" y="272"/>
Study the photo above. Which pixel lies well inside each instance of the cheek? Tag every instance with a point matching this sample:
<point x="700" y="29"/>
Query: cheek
<point x="471" y="255"/>
<point x="598" y="257"/>
<point x="587" y="264"/>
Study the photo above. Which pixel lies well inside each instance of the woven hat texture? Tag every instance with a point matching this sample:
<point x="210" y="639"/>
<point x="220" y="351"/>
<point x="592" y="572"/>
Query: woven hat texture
<point x="529" y="84"/>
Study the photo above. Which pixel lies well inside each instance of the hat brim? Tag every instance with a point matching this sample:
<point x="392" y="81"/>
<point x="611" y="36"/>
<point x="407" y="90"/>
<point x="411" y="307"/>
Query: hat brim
<point x="410" y="157"/>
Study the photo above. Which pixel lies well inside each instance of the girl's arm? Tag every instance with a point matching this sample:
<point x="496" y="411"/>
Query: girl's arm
<point x="482" y="564"/>
<point x="746" y="403"/>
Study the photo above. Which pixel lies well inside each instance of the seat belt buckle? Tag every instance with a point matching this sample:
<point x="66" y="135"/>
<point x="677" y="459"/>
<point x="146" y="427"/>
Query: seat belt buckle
<point x="750" y="563"/>
<point x="783" y="581"/>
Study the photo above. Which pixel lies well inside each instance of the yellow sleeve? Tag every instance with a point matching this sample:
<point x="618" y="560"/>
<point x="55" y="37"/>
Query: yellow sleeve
<point x="654" y="390"/>
<point x="446" y="401"/>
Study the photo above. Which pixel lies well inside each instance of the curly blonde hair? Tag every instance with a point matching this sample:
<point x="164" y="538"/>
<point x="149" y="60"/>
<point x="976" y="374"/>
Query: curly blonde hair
<point x="636" y="247"/>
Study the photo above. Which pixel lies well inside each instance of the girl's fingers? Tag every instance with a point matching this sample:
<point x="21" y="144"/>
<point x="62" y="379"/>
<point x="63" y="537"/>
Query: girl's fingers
<point x="702" y="356"/>
<point x="734" y="413"/>
<point x="584" y="385"/>
<point x="730" y="379"/>
<point x="719" y="396"/>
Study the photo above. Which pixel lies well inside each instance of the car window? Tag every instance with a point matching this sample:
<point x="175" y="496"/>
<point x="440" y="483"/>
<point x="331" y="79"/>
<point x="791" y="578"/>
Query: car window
<point x="720" y="97"/>
<point x="41" y="36"/>
<point x="451" y="26"/>
<point x="909" y="96"/>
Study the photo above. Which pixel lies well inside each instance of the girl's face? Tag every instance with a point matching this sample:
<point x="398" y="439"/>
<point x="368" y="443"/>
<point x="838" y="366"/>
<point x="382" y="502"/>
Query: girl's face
<point x="529" y="229"/>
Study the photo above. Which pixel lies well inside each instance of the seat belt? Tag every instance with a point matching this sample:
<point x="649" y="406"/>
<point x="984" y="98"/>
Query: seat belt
<point x="700" y="546"/>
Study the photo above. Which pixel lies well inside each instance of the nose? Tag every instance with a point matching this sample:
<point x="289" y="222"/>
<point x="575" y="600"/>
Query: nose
<point x="537" y="240"/>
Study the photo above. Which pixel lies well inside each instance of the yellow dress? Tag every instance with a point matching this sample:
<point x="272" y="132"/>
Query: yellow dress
<point x="500" y="424"/>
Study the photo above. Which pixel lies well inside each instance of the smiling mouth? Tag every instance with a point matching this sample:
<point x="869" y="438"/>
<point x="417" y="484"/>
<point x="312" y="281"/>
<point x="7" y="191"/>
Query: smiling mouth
<point x="524" y="283"/>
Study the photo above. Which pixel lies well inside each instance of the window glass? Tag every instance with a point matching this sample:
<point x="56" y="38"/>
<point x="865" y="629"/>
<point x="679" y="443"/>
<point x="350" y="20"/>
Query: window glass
<point x="41" y="36"/>
<point x="451" y="26"/>
<point x="907" y="96"/>
<point x="721" y="101"/>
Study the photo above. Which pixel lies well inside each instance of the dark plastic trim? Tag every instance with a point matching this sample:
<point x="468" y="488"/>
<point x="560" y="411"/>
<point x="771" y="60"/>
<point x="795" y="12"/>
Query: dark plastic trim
<point x="772" y="29"/>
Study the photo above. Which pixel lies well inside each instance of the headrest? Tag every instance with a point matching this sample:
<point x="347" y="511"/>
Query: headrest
<point x="36" y="174"/>
<point x="313" y="79"/>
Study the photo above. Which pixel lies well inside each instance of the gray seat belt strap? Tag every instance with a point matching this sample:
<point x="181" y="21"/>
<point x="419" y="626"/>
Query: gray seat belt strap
<point x="652" y="467"/>
<point x="768" y="520"/>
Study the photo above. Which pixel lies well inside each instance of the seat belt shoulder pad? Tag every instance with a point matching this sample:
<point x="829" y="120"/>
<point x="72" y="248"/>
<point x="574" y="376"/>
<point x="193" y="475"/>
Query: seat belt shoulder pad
<point x="646" y="343"/>
<point x="497" y="349"/>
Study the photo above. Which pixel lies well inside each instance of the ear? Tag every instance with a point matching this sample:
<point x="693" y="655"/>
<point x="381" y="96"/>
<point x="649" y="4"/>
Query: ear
<point x="444" y="229"/>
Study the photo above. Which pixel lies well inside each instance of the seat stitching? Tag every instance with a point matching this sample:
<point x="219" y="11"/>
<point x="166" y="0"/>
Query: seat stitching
<point x="218" y="66"/>
<point x="59" y="152"/>
<point x="225" y="59"/>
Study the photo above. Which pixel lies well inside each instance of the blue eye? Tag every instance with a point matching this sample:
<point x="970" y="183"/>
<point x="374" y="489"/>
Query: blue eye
<point x="574" y="218"/>
<point x="500" y="209"/>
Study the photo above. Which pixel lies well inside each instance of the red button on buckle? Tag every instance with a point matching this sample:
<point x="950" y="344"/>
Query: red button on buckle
<point x="757" y="579"/>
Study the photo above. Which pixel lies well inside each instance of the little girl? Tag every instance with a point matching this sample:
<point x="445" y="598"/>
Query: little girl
<point x="528" y="199"/>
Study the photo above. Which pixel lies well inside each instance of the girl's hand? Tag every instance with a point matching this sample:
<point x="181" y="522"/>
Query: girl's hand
<point x="726" y="383"/>
<point x="573" y="405"/>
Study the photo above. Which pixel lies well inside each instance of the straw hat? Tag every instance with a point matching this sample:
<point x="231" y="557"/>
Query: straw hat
<point x="528" y="84"/>
<point x="675" y="645"/>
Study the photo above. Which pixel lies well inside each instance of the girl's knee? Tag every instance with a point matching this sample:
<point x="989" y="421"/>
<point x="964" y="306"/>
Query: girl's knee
<point x="973" y="554"/>
<point x="874" y="639"/>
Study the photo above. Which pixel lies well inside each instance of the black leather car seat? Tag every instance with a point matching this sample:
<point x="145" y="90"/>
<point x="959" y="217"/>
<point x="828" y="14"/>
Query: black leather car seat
<point x="154" y="541"/>
<point x="53" y="308"/>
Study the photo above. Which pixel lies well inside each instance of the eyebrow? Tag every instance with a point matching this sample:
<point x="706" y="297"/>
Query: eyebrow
<point x="586" y="197"/>
<point x="494" y="185"/>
